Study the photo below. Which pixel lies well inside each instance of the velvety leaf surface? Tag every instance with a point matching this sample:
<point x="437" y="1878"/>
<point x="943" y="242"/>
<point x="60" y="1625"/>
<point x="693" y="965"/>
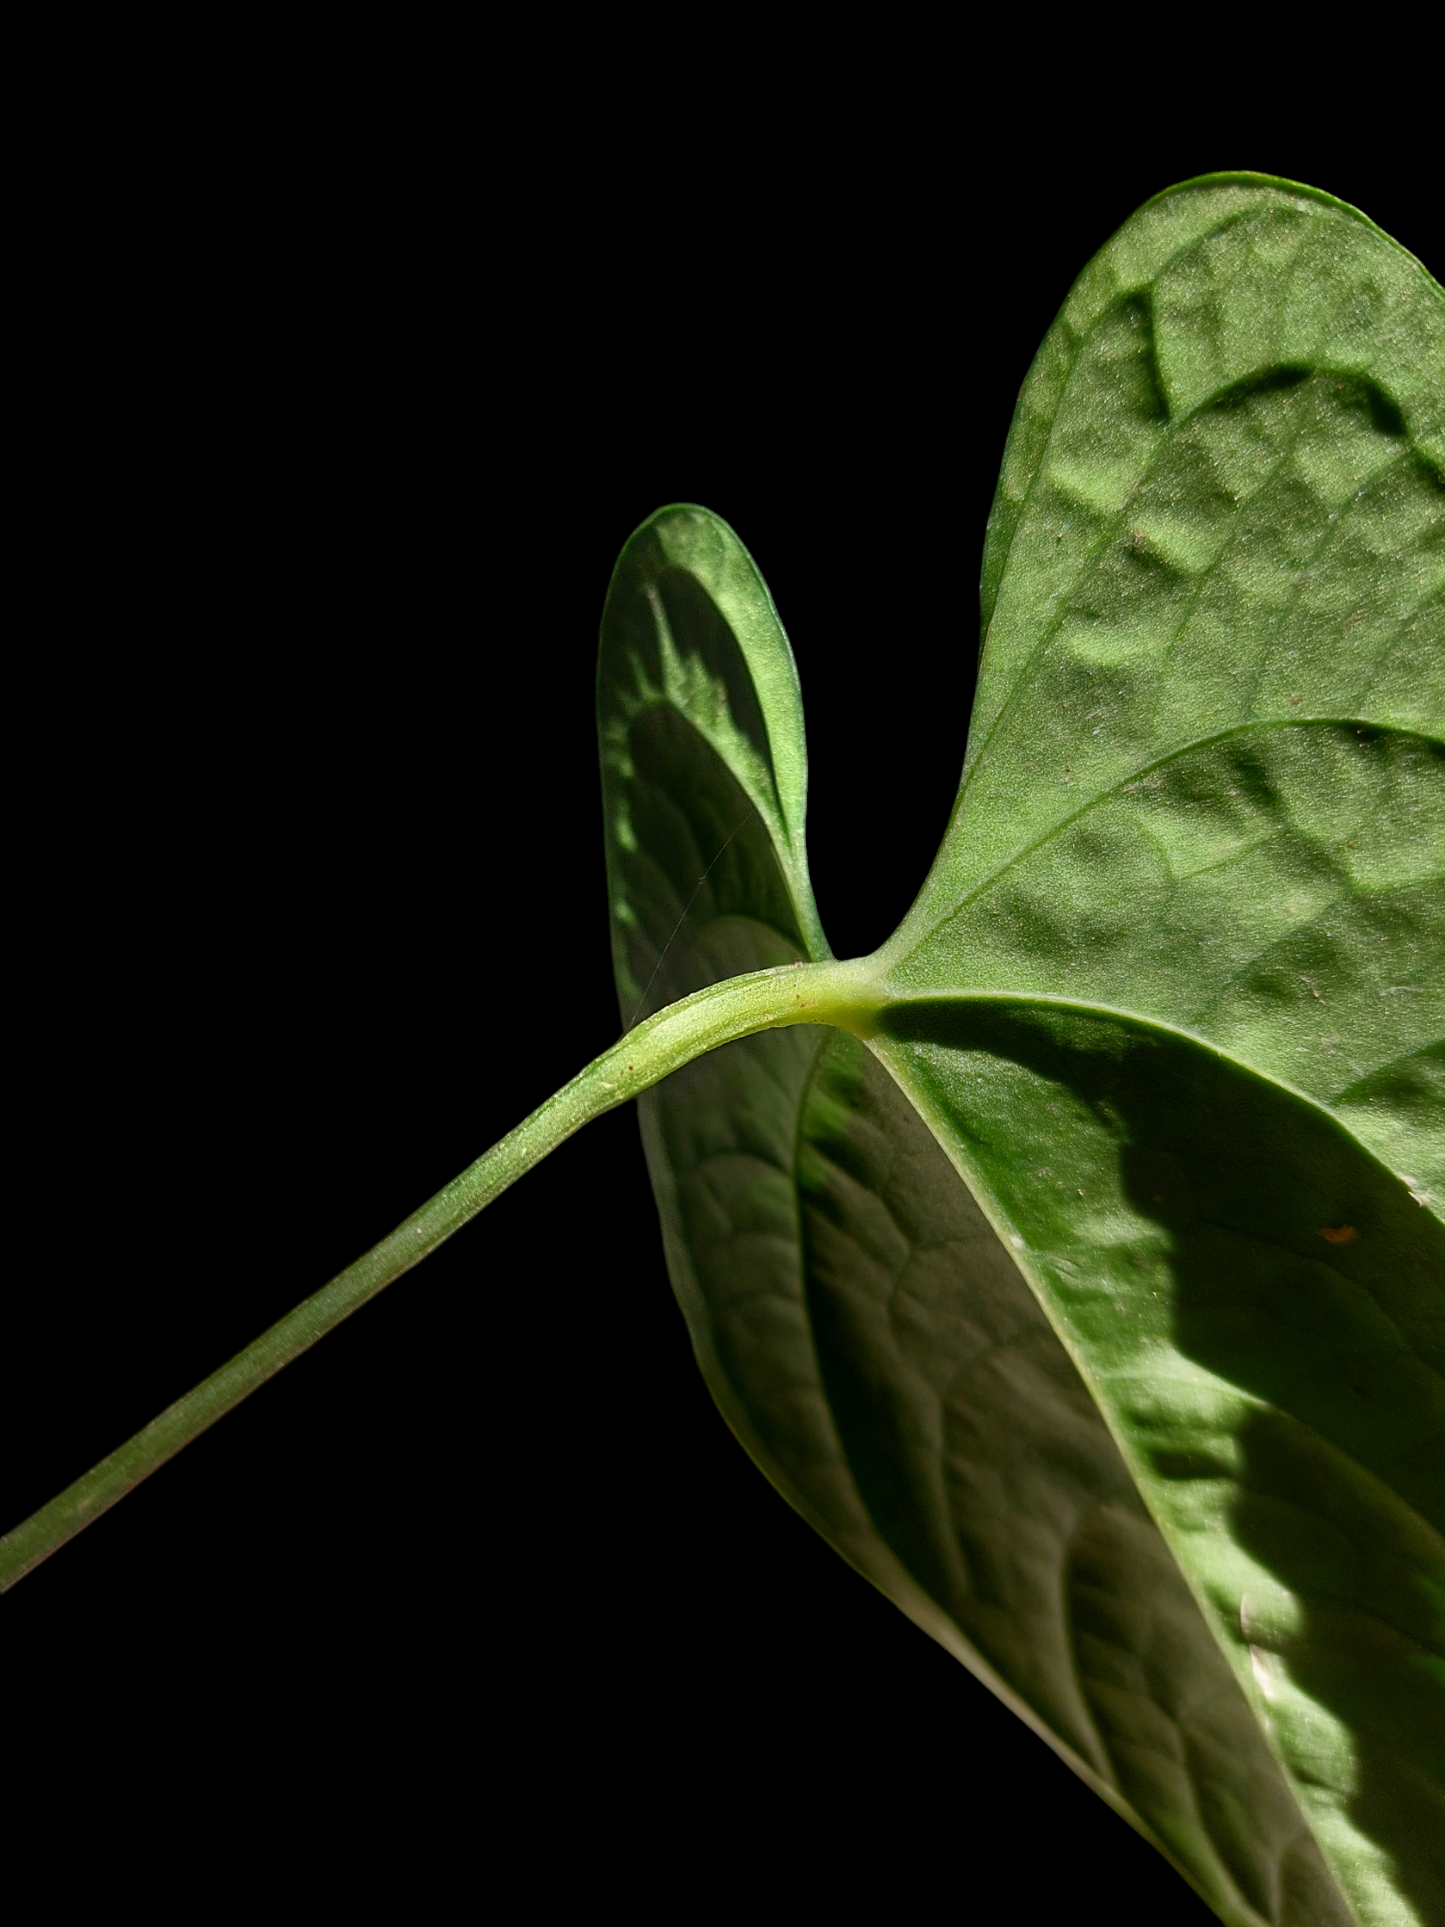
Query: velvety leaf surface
<point x="1279" y="890"/>
<point x="1169" y="1005"/>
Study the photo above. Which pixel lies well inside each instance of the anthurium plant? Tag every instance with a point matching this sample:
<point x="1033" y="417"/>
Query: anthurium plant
<point x="1075" y="1263"/>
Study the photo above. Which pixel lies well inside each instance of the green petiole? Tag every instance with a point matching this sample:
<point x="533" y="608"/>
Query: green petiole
<point x="821" y="993"/>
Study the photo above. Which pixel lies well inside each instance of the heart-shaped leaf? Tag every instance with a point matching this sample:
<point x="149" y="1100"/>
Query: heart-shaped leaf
<point x="1094" y="1309"/>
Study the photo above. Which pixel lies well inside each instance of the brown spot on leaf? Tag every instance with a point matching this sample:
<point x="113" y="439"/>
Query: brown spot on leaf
<point x="1343" y="1234"/>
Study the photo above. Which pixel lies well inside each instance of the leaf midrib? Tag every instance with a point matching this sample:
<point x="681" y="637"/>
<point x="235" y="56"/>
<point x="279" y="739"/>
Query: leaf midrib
<point x="1028" y="670"/>
<point x="1108" y="1771"/>
<point x="1085" y="1007"/>
<point x="916" y="939"/>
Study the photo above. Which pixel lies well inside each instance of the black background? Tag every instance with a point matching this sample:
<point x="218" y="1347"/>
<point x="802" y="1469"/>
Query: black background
<point x="313" y="910"/>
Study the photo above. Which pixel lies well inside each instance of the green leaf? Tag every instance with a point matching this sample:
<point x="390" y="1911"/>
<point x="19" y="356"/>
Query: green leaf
<point x="1094" y="1309"/>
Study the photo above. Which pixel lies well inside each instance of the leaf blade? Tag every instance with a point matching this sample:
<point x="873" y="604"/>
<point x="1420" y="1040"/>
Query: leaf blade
<point x="754" y="1154"/>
